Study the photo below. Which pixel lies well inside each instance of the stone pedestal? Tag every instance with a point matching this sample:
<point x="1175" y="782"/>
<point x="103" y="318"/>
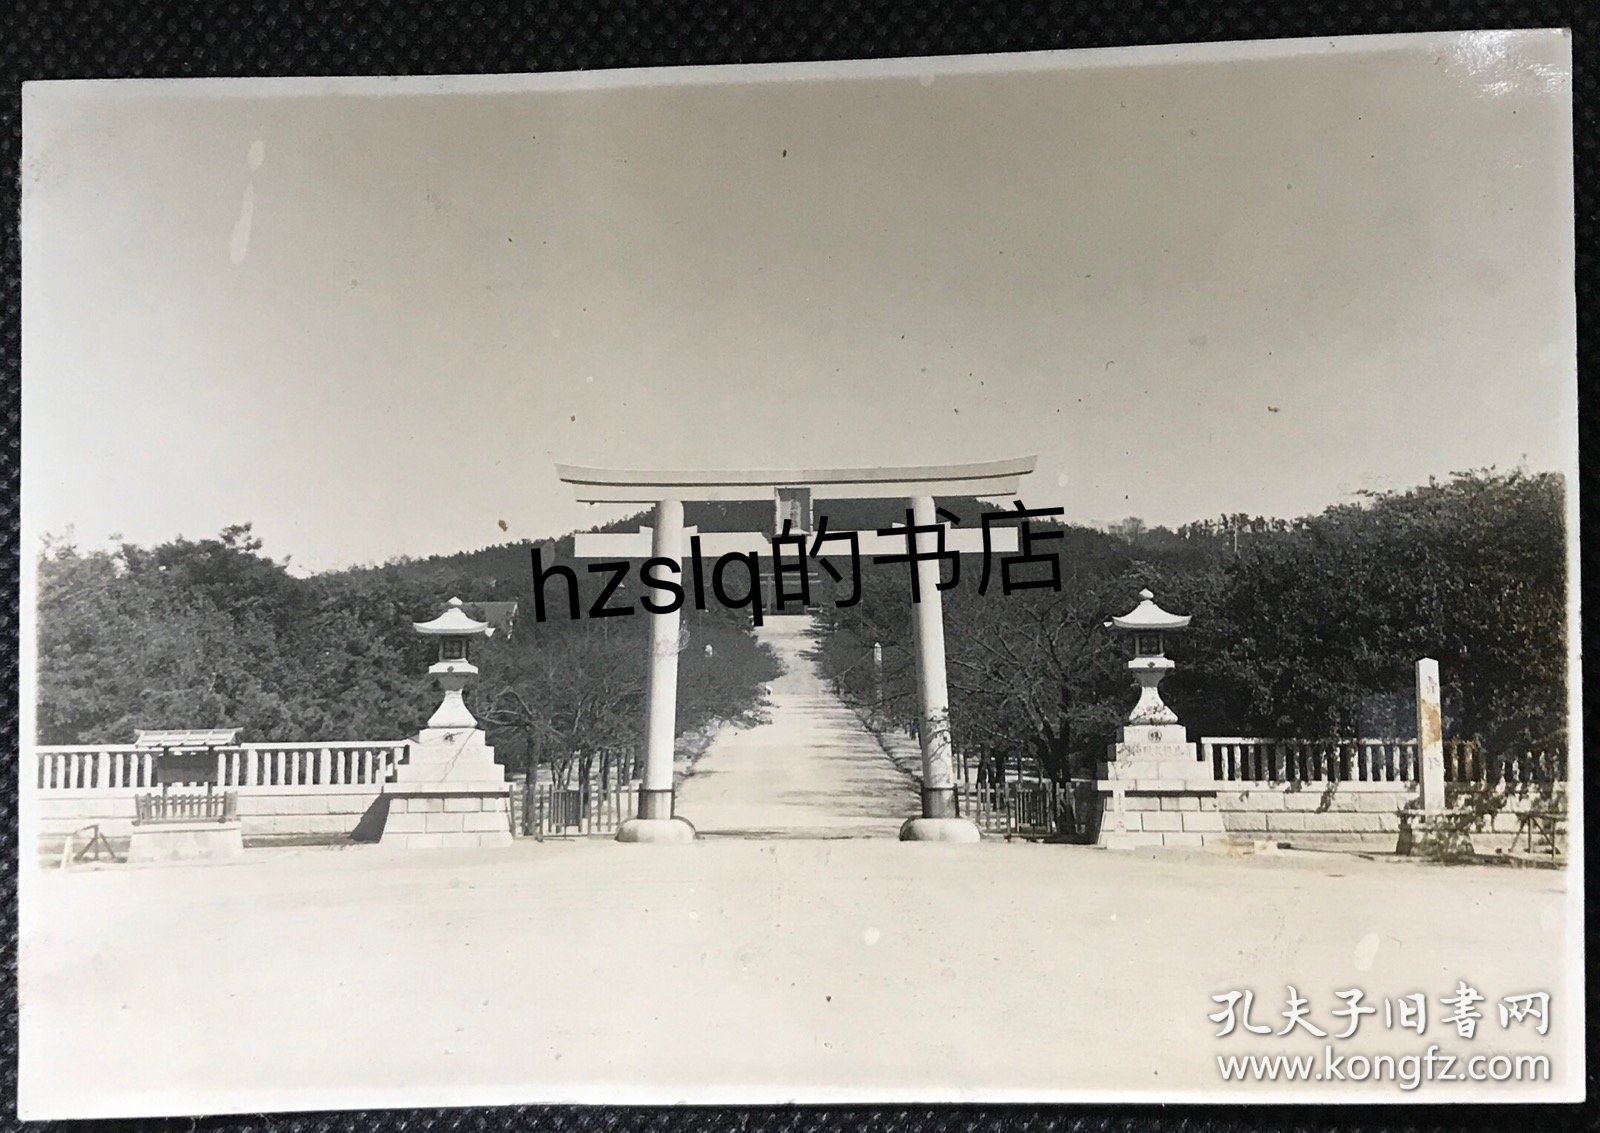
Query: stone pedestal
<point x="202" y="840"/>
<point x="449" y="792"/>
<point x="939" y="830"/>
<point x="1155" y="791"/>
<point x="657" y="831"/>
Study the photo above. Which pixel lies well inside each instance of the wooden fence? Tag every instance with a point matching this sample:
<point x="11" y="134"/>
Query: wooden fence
<point x="593" y="809"/>
<point x="185" y="806"/>
<point x="1012" y="797"/>
<point x="1014" y="810"/>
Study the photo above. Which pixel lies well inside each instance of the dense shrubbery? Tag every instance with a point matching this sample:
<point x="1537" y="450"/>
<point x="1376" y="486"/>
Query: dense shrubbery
<point x="212" y="633"/>
<point x="1303" y="628"/>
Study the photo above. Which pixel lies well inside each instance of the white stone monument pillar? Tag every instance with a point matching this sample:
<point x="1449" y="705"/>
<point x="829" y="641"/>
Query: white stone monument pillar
<point x="939" y="821"/>
<point x="1430" y="736"/>
<point x="656" y="821"/>
<point x="1429" y="827"/>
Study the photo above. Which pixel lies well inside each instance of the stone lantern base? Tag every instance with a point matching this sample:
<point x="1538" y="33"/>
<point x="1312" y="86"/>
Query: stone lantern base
<point x="1156" y="792"/>
<point x="449" y="792"/>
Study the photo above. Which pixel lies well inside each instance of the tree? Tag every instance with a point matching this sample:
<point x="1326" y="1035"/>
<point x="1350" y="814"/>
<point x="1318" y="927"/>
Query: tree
<point x="213" y="633"/>
<point x="1307" y="628"/>
<point x="1319" y="627"/>
<point x="1304" y="628"/>
<point x="1031" y="674"/>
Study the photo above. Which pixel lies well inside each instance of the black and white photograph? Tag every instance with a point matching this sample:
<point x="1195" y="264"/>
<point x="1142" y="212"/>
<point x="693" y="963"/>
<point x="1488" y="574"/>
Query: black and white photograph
<point x="1039" y="577"/>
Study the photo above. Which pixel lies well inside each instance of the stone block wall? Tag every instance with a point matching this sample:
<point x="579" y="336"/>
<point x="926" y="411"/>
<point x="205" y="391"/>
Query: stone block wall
<point x="268" y="815"/>
<point x="419" y="822"/>
<point x="1173" y="821"/>
<point x="1348" y="817"/>
<point x="1361" y="816"/>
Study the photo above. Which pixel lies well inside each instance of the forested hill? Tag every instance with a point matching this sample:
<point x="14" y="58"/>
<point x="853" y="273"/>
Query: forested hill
<point x="213" y="632"/>
<point x="1307" y="627"/>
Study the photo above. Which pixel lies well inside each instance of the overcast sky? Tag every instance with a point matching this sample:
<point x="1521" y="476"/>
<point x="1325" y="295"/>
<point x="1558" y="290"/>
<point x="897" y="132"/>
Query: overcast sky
<point x="371" y="324"/>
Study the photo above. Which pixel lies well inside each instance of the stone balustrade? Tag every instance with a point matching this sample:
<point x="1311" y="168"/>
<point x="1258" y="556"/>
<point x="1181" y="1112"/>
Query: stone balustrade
<point x="1240" y="760"/>
<point x="1351" y="794"/>
<point x="126" y="767"/>
<point x="287" y="792"/>
<point x="1237" y="759"/>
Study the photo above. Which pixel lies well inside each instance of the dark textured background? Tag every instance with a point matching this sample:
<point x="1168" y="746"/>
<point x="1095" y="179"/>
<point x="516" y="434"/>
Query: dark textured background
<point x="152" y="39"/>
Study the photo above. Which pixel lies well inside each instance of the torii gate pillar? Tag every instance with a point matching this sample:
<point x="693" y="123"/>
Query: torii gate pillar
<point x="656" y="821"/>
<point x="939" y="821"/>
<point x="666" y="490"/>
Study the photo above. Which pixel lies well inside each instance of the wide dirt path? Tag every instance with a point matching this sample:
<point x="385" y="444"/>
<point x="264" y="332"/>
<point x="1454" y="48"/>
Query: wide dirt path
<point x="753" y="971"/>
<point x="811" y="771"/>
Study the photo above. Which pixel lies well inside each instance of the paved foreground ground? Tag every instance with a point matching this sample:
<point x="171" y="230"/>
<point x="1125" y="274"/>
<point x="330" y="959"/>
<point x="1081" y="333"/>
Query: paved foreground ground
<point x="810" y="771"/>
<point x="743" y="970"/>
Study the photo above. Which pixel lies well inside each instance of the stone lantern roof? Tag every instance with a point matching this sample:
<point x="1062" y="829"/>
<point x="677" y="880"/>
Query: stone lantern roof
<point x="453" y="622"/>
<point x="1148" y="616"/>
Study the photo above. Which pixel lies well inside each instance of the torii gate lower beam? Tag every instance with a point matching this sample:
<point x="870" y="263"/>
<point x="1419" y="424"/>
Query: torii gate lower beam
<point x="657" y="820"/>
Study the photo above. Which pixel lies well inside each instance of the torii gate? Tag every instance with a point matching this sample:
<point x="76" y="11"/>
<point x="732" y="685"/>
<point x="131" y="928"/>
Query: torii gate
<point x="657" y="820"/>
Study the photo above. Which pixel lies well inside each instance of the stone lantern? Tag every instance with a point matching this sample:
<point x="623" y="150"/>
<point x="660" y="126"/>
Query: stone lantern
<point x="449" y="792"/>
<point x="1155" y="789"/>
<point x="454" y="668"/>
<point x="1149" y="624"/>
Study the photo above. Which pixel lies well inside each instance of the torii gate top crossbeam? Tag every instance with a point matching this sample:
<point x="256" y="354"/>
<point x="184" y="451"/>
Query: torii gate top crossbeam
<point x="630" y="486"/>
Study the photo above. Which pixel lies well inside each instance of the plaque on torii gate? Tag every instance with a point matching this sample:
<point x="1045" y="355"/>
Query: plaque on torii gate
<point x="667" y="490"/>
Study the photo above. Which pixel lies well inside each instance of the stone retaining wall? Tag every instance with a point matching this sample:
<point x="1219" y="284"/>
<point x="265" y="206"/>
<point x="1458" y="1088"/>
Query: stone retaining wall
<point x="268" y="815"/>
<point x="1351" y="816"/>
<point x="1360" y="815"/>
